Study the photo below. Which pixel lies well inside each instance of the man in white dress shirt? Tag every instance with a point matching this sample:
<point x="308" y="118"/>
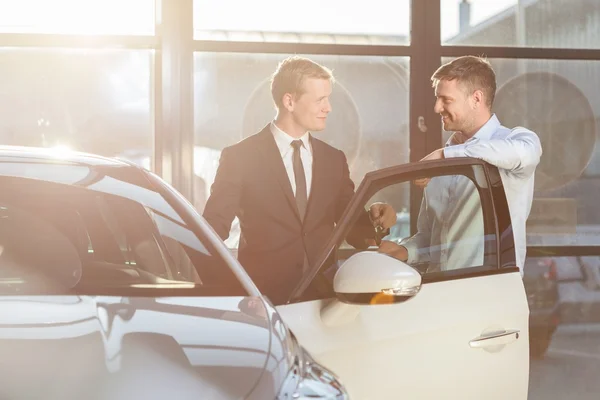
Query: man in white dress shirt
<point x="465" y="90"/>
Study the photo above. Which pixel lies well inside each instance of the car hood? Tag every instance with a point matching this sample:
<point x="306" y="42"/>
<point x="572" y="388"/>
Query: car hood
<point x="120" y="347"/>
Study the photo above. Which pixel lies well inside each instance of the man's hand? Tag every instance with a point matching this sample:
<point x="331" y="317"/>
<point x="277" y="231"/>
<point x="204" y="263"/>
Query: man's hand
<point x="434" y="155"/>
<point x="421" y="182"/>
<point x="382" y="215"/>
<point x="393" y="249"/>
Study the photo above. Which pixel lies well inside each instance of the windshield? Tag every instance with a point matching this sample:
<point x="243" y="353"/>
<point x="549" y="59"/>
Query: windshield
<point x="112" y="231"/>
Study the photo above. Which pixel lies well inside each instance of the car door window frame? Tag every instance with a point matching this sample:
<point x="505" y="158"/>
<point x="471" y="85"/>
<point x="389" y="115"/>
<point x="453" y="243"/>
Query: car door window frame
<point x="492" y="200"/>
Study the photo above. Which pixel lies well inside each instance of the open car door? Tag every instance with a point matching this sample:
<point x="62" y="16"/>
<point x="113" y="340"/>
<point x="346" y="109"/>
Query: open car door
<point x="450" y="322"/>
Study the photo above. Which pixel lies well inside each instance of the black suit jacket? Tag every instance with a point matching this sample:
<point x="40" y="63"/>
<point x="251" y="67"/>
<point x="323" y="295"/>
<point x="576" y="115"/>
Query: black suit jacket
<point x="252" y="184"/>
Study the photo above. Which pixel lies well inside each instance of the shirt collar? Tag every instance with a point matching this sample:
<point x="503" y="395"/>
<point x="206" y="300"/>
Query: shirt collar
<point x="284" y="140"/>
<point x="485" y="132"/>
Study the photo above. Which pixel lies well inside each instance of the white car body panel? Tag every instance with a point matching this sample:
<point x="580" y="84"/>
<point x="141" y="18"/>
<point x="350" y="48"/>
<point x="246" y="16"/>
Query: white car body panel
<point x="419" y="349"/>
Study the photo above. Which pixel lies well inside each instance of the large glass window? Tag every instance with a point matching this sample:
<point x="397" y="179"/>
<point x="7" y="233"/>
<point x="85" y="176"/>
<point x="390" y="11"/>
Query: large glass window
<point x="522" y="23"/>
<point x="96" y="101"/>
<point x="369" y="121"/>
<point x="108" y="17"/>
<point x="310" y="21"/>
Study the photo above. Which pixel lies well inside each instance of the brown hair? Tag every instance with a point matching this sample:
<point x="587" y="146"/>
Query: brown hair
<point x="291" y="73"/>
<point x="475" y="72"/>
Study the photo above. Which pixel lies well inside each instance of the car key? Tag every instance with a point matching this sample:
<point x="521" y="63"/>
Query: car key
<point x="380" y="233"/>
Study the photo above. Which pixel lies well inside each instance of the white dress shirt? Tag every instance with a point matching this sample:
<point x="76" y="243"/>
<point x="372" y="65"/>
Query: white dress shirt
<point x="284" y="144"/>
<point x="516" y="153"/>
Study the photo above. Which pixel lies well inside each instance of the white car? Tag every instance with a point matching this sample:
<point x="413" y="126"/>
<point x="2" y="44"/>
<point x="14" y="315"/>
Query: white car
<point x="113" y="287"/>
<point x="163" y="304"/>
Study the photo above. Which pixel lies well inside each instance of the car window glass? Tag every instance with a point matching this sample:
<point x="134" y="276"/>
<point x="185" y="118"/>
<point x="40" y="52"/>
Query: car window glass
<point x="116" y="238"/>
<point x="456" y="226"/>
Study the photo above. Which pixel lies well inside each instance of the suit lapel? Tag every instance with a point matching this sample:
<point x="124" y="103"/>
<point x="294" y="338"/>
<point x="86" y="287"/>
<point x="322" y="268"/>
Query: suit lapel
<point x="274" y="162"/>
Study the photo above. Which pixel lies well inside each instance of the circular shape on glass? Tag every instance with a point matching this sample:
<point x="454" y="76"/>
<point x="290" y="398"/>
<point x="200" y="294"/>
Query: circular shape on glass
<point x="560" y="114"/>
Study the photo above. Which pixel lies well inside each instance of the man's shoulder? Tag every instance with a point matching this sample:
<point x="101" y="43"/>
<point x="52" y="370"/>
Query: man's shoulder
<point x="247" y="142"/>
<point x="325" y="147"/>
<point x="505" y="132"/>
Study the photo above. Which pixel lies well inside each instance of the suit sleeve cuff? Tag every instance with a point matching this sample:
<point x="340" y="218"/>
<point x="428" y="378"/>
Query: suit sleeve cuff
<point x="458" y="150"/>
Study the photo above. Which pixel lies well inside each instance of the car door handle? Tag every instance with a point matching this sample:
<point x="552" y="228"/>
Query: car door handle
<point x="495" y="339"/>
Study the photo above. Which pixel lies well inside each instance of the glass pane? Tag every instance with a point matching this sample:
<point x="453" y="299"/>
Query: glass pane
<point x="460" y="241"/>
<point x="564" y="303"/>
<point x="107" y="17"/>
<point x="94" y="101"/>
<point x="558" y="100"/>
<point x="454" y="230"/>
<point x="522" y="23"/>
<point x="312" y="21"/>
<point x="369" y="121"/>
<point x="107" y="235"/>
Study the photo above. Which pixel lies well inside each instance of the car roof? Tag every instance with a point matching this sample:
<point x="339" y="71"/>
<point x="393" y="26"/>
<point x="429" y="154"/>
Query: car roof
<point x="56" y="155"/>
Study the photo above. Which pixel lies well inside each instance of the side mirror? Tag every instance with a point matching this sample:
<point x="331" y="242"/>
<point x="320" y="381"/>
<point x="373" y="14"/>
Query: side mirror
<point x="375" y="278"/>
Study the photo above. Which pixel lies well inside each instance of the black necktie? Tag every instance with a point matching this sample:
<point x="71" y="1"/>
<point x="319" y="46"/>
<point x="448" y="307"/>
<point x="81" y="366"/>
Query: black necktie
<point x="301" y="194"/>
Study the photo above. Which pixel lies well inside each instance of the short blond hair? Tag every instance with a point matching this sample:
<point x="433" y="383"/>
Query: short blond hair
<point x="291" y="73"/>
<point x="475" y="72"/>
